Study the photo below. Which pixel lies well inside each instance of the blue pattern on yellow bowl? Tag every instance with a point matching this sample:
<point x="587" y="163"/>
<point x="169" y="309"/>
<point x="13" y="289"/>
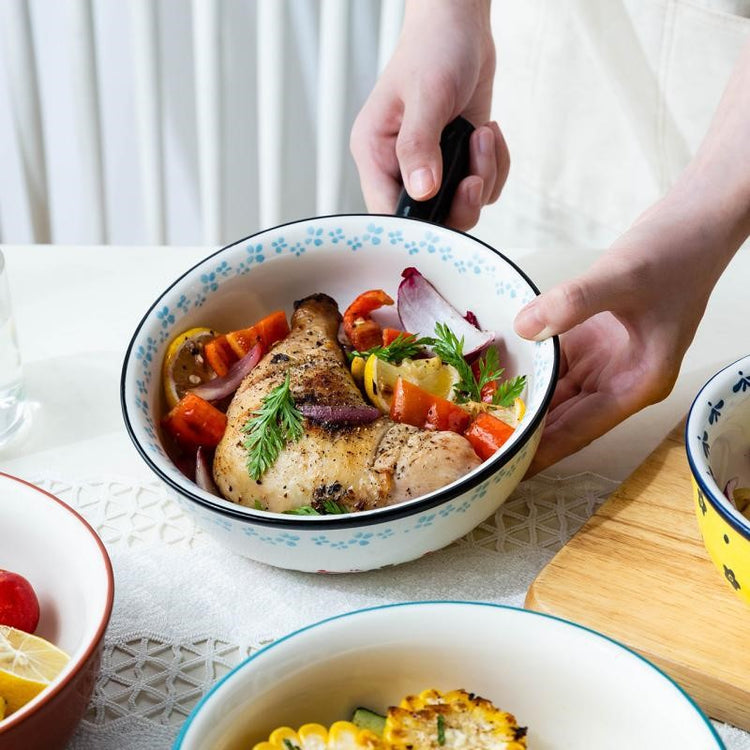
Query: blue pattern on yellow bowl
<point x="717" y="439"/>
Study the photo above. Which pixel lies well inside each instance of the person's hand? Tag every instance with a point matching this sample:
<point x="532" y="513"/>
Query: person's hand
<point x="624" y="327"/>
<point x="443" y="67"/>
<point x="626" y="324"/>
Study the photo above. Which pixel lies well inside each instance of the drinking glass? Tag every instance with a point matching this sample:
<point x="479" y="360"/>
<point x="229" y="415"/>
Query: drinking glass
<point x="12" y="400"/>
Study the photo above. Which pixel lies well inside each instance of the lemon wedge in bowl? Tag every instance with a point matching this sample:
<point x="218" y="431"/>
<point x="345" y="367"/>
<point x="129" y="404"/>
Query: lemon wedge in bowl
<point x="185" y="365"/>
<point x="431" y="374"/>
<point x="28" y="664"/>
<point x="512" y="414"/>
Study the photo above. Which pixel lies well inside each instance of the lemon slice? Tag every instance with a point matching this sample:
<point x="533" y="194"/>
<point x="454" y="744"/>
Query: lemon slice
<point x="511" y="415"/>
<point x="184" y="365"/>
<point x="358" y="369"/>
<point x="28" y="664"/>
<point x="429" y="374"/>
<point x="2" y="708"/>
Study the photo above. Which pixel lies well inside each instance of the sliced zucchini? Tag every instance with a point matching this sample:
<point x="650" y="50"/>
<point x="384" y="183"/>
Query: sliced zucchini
<point x="366" y="719"/>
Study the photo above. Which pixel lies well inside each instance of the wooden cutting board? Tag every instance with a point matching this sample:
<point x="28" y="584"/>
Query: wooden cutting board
<point x="638" y="572"/>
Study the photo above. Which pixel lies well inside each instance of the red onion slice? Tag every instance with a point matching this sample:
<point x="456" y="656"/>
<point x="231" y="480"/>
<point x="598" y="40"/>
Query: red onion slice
<point x="729" y="489"/>
<point x="340" y="414"/>
<point x="219" y="388"/>
<point x="420" y="306"/>
<point x="203" y="475"/>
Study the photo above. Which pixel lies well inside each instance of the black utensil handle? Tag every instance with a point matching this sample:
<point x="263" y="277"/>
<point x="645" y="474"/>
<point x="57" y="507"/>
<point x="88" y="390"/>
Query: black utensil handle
<point x="454" y="146"/>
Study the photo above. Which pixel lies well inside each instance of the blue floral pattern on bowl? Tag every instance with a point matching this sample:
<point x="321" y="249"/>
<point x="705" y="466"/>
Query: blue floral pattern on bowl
<point x="317" y="248"/>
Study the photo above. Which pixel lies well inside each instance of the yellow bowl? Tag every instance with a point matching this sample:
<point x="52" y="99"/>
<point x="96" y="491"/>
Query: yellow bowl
<point x="717" y="440"/>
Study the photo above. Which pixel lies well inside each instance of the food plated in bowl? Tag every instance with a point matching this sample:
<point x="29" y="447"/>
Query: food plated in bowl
<point x="717" y="440"/>
<point x="337" y="258"/>
<point x="565" y="685"/>
<point x="47" y="676"/>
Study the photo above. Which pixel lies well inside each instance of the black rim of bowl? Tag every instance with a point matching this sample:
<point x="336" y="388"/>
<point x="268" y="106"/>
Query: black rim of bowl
<point x="347" y="520"/>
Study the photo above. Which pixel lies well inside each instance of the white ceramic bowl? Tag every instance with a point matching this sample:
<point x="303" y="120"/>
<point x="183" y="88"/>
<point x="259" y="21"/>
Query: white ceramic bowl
<point x="51" y="546"/>
<point x="571" y="687"/>
<point x="717" y="441"/>
<point x="342" y="256"/>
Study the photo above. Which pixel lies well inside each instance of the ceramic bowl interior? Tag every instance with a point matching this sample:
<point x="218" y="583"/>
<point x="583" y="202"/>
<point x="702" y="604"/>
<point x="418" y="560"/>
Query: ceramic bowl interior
<point x="49" y="544"/>
<point x="570" y="686"/>
<point x="341" y="256"/>
<point x="717" y="439"/>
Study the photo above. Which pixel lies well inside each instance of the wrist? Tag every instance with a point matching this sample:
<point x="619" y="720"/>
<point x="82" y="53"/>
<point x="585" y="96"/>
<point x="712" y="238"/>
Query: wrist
<point x="457" y="12"/>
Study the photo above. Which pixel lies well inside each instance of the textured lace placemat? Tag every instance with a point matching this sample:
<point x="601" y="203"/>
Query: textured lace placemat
<point x="169" y="639"/>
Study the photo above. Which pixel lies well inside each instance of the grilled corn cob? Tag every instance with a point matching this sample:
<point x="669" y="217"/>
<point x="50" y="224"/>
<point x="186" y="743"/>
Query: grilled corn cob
<point x="456" y="719"/>
<point x="342" y="735"/>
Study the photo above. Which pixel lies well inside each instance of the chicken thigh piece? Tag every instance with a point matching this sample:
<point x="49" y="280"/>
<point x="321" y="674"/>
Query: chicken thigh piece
<point x="358" y="466"/>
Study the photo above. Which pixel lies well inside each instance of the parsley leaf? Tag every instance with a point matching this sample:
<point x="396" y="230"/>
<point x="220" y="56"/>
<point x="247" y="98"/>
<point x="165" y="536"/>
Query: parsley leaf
<point x="469" y="387"/>
<point x="404" y="346"/>
<point x="508" y="391"/>
<point x="451" y="350"/>
<point x="277" y="422"/>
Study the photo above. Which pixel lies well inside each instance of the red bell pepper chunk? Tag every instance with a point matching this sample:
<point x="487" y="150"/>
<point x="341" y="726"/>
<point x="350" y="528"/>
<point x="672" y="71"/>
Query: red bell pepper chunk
<point x="487" y="434"/>
<point x="391" y="334"/>
<point x="363" y="332"/>
<point x="220" y="355"/>
<point x="194" y="422"/>
<point x="267" y="331"/>
<point x="412" y="405"/>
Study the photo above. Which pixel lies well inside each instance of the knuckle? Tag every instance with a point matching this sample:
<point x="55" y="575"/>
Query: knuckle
<point x="574" y="297"/>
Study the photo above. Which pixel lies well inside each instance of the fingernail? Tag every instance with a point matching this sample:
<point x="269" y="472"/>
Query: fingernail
<point x="421" y="182"/>
<point x="529" y="325"/>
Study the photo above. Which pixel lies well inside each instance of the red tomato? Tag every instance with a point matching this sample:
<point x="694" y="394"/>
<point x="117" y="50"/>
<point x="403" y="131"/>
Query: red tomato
<point x="19" y="606"/>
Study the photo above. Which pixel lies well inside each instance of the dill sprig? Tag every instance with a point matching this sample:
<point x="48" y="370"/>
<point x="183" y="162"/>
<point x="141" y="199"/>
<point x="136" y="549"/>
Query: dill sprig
<point x="441" y="729"/>
<point x="404" y="346"/>
<point x="277" y="422"/>
<point x="469" y="387"/>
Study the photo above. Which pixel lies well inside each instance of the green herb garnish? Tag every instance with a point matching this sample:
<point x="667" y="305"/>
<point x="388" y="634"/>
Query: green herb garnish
<point x="327" y="508"/>
<point x="289" y="745"/>
<point x="404" y="346"/>
<point x="333" y="508"/>
<point x="441" y="729"/>
<point x="509" y="391"/>
<point x="451" y="350"/>
<point x="303" y="510"/>
<point x="277" y="422"/>
<point x="469" y="388"/>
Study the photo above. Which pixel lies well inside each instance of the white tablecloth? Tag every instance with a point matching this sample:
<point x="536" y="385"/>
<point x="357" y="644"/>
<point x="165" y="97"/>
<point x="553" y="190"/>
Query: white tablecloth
<point x="172" y="632"/>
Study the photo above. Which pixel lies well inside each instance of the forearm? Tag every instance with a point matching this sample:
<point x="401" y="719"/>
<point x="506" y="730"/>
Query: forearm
<point x="476" y="9"/>
<point x="713" y="193"/>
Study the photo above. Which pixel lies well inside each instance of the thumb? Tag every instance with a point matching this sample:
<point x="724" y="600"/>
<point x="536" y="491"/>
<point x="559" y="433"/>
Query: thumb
<point x="568" y="304"/>
<point x="418" y="143"/>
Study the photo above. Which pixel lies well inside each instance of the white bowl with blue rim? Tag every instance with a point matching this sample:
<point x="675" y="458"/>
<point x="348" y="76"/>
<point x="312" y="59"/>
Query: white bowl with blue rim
<point x="717" y="441"/>
<point x="342" y="256"/>
<point x="569" y="686"/>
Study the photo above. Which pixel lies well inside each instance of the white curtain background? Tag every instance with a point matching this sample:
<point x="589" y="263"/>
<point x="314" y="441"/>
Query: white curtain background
<point x="602" y="102"/>
<point x="55" y="38"/>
